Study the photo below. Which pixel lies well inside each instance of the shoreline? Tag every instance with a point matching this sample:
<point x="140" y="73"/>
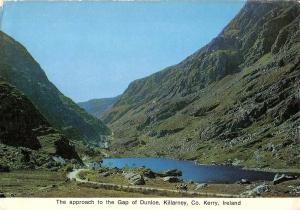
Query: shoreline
<point x="274" y="170"/>
<point x="295" y="171"/>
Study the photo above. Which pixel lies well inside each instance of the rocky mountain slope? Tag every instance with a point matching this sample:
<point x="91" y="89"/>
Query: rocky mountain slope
<point x="26" y="138"/>
<point x="19" y="69"/>
<point x="234" y="101"/>
<point x="97" y="107"/>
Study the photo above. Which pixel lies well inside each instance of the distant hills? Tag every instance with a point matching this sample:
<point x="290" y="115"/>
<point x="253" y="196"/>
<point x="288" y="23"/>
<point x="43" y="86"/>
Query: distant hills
<point x="18" y="68"/>
<point x="97" y="107"/>
<point x="234" y="101"/>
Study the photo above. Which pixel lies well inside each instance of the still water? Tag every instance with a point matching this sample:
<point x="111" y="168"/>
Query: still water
<point x="191" y="170"/>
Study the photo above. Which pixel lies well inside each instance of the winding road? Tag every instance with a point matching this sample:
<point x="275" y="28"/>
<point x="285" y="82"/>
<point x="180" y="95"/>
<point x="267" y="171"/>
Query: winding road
<point x="142" y="189"/>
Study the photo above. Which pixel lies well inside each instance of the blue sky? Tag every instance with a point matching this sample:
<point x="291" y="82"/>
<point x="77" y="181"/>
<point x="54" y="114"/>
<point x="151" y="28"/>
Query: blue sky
<point x="95" y="49"/>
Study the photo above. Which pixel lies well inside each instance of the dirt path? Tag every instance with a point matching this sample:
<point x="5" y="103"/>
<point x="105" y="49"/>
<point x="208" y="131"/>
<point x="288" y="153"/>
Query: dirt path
<point x="142" y="189"/>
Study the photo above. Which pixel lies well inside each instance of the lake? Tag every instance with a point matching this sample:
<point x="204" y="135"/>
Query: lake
<point x="191" y="170"/>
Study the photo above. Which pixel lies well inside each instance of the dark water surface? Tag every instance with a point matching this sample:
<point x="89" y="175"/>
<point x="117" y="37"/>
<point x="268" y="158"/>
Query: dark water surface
<point x="191" y="170"/>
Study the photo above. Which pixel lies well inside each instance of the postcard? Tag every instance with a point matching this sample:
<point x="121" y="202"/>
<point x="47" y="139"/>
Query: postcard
<point x="149" y="104"/>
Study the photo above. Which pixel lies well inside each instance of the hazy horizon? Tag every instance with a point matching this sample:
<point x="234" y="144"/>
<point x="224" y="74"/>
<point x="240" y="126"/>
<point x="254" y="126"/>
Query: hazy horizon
<point x="95" y="49"/>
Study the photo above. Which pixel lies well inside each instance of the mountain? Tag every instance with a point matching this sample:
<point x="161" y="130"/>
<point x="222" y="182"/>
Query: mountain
<point x="26" y="138"/>
<point x="97" y="107"/>
<point x="234" y="101"/>
<point x="19" y="68"/>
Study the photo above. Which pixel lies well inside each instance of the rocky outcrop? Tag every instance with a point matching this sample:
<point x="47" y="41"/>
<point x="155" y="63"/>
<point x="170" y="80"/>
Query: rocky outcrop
<point x="171" y="179"/>
<point x="244" y="181"/>
<point x="170" y="172"/>
<point x="147" y="172"/>
<point x="257" y="191"/>
<point x="135" y="179"/>
<point x="279" y="178"/>
<point x="201" y="186"/>
<point x="26" y="138"/>
<point x="183" y="187"/>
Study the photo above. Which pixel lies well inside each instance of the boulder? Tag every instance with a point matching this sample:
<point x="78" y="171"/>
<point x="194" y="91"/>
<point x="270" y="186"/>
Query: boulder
<point x="183" y="187"/>
<point x="137" y="180"/>
<point x="279" y="178"/>
<point x="128" y="175"/>
<point x="257" y="190"/>
<point x="295" y="190"/>
<point x="261" y="189"/>
<point x="147" y="172"/>
<point x="134" y="179"/>
<point x="244" y="181"/>
<point x="201" y="186"/>
<point x="171" y="172"/>
<point x="171" y="179"/>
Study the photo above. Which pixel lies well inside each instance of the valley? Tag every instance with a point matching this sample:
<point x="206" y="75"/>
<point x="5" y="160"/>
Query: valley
<point x="224" y="122"/>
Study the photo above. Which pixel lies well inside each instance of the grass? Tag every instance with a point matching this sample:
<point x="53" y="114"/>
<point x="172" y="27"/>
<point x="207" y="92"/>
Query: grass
<point x="42" y="183"/>
<point x="26" y="183"/>
<point x="84" y="191"/>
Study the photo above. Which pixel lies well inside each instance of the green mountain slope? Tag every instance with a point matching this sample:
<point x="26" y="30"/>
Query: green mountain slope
<point x="236" y="100"/>
<point x="26" y="138"/>
<point x="97" y="107"/>
<point x="21" y="70"/>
